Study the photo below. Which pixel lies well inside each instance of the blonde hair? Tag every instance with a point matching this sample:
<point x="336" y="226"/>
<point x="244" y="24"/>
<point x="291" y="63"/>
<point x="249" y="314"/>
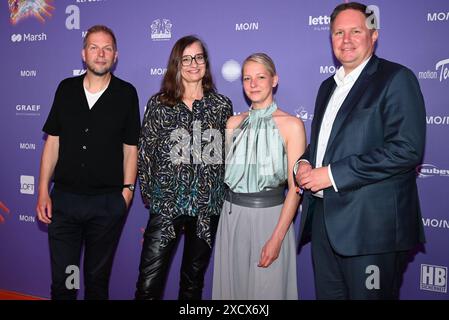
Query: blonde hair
<point x="263" y="59"/>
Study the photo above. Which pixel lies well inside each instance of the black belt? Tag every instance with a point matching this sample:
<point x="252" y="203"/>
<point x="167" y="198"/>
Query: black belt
<point x="264" y="199"/>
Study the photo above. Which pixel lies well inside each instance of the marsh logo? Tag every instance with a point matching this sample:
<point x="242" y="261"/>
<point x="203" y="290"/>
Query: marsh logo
<point x="3" y="209"/>
<point x="28" y="37"/>
<point x="438" y="16"/>
<point x="231" y="70"/>
<point x="28" y="73"/>
<point x="26" y="184"/>
<point x="433" y="278"/>
<point x="161" y="30"/>
<point x="247" y="26"/>
<point x="157" y="71"/>
<point x="16" y="37"/>
<point x="303" y="114"/>
<point x="435" y="223"/>
<point x="427" y="170"/>
<point x="440" y="73"/>
<point x="28" y="110"/>
<point x="78" y="72"/>
<point x="22" y="9"/>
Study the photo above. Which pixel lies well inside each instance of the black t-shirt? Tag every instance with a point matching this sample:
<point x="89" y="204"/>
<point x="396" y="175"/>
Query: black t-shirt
<point x="91" y="141"/>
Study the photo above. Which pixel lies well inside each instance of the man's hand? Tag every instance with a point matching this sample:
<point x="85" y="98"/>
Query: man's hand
<point x="44" y="207"/>
<point x="304" y="170"/>
<point x="315" y="179"/>
<point x="128" y="196"/>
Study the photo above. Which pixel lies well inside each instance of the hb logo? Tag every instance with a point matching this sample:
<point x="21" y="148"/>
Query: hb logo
<point x="433" y="278"/>
<point x="16" y="37"/>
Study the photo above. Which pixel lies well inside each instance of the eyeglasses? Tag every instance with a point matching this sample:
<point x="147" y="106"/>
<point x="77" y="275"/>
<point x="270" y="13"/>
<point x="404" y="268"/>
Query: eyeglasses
<point x="199" y="59"/>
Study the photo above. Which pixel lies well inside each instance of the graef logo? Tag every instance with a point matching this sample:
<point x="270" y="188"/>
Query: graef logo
<point x="441" y="72"/>
<point x="23" y="9"/>
<point x="78" y="72"/>
<point x="27" y="146"/>
<point x="247" y="26"/>
<point x="28" y="73"/>
<point x="28" y="109"/>
<point x="158" y="71"/>
<point x="429" y="170"/>
<point x="161" y="29"/>
<point x="327" y="69"/>
<point x="303" y="114"/>
<point x="4" y="209"/>
<point x="28" y="37"/>
<point x="437" y="16"/>
<point x="433" y="278"/>
<point x="231" y="70"/>
<point x="26" y="218"/>
<point x="26" y="184"/>
<point x="435" y="223"/>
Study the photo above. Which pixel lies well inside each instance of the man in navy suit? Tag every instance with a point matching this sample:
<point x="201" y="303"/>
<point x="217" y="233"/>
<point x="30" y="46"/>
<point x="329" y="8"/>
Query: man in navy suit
<point x="361" y="203"/>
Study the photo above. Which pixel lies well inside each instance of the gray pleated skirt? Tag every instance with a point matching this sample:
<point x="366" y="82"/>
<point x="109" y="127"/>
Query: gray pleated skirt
<point x="240" y="238"/>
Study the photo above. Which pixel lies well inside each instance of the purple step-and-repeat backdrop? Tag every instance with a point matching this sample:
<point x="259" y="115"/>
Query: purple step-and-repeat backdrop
<point x="41" y="42"/>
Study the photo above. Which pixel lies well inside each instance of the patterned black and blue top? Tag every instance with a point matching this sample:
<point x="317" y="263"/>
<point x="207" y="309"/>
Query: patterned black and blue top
<point x="181" y="161"/>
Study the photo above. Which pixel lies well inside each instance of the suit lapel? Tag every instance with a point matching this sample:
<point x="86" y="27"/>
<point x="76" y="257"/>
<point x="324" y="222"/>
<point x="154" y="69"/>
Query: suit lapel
<point x="350" y="102"/>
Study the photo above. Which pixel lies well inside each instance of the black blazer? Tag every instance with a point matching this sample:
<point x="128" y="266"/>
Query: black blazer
<point x="376" y="142"/>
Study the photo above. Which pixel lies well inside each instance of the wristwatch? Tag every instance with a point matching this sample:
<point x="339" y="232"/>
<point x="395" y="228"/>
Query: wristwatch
<point x="129" y="186"/>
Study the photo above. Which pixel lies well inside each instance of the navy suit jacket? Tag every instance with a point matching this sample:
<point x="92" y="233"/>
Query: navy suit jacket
<point x="376" y="142"/>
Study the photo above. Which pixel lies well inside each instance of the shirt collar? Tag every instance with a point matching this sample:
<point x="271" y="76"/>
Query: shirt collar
<point x="340" y="77"/>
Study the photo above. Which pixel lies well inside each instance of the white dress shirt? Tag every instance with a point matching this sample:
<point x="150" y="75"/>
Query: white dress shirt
<point x="344" y="85"/>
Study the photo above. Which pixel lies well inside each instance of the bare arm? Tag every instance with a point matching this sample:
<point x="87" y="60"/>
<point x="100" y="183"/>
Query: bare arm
<point x="129" y="170"/>
<point x="295" y="138"/>
<point x="48" y="164"/>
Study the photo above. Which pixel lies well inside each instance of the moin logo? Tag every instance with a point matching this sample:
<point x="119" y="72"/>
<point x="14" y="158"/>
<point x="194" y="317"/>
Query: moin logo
<point x="437" y="16"/>
<point x="247" y="26"/>
<point x="303" y="114"/>
<point x="22" y="9"/>
<point x="27" y="146"/>
<point x="433" y="278"/>
<point x="161" y="30"/>
<point x="328" y="69"/>
<point x="441" y="72"/>
<point x="26" y="184"/>
<point x="157" y="71"/>
<point x="435" y="223"/>
<point x="28" y="73"/>
<point x="426" y="170"/>
<point x="4" y="209"/>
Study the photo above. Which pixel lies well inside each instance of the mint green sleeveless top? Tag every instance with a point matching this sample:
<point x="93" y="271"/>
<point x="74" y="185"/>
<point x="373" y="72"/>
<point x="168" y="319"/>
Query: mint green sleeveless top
<point x="256" y="159"/>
